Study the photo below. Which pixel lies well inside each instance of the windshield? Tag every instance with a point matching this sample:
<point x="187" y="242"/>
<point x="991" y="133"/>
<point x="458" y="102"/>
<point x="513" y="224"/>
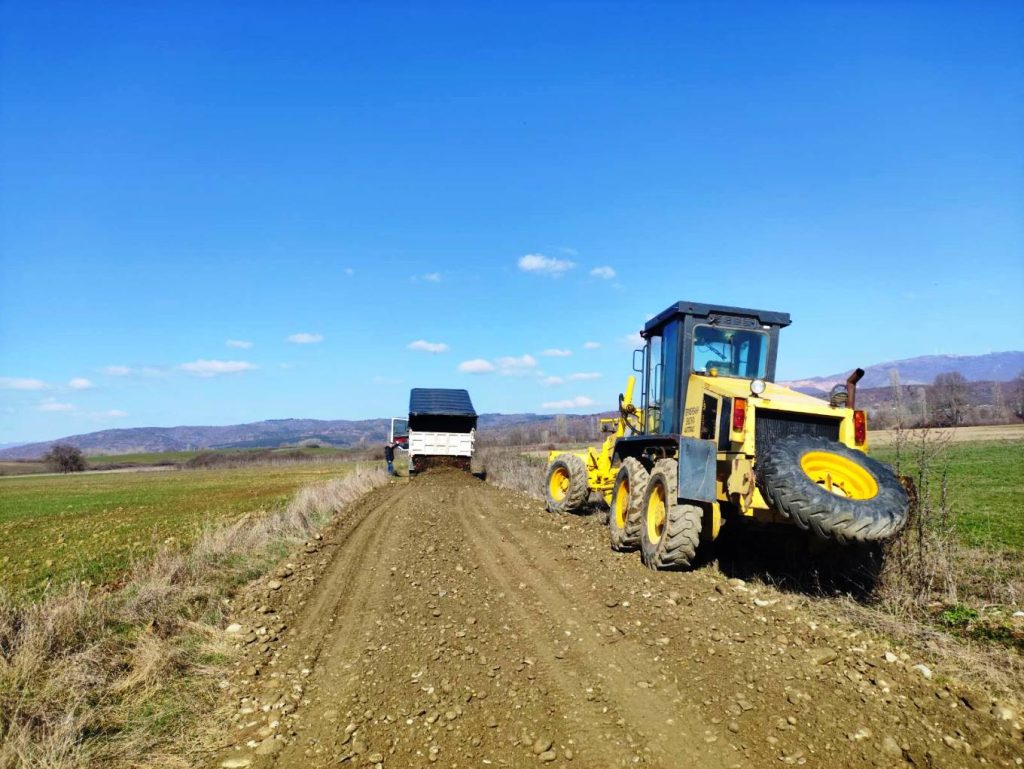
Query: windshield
<point x="731" y="352"/>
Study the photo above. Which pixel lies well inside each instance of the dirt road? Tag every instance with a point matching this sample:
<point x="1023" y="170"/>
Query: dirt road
<point x="444" y="622"/>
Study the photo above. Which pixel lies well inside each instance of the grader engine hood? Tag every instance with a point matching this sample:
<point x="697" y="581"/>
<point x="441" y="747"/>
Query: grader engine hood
<point x="775" y="396"/>
<point x="754" y="422"/>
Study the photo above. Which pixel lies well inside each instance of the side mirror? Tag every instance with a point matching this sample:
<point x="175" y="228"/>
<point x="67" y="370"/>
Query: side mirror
<point x="638" y="367"/>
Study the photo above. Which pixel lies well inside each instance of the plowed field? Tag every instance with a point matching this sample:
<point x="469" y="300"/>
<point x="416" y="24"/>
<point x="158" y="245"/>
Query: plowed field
<point x="444" y="622"/>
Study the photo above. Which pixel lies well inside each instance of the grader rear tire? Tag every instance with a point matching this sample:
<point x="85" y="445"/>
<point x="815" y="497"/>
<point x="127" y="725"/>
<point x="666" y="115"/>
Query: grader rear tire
<point x="566" y="486"/>
<point x="670" y="533"/>
<point x="626" y="516"/>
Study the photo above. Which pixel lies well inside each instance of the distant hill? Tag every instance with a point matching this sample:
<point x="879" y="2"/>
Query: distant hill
<point x="497" y="428"/>
<point x="993" y="367"/>
<point x="267" y="434"/>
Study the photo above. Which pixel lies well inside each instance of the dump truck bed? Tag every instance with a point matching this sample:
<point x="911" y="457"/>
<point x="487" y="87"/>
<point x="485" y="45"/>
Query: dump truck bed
<point x="442" y="425"/>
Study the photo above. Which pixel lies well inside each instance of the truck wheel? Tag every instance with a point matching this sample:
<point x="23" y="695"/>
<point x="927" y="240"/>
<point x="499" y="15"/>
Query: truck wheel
<point x="670" y="531"/>
<point x="834" y="491"/>
<point x="566" y="485"/>
<point x="626" y="516"/>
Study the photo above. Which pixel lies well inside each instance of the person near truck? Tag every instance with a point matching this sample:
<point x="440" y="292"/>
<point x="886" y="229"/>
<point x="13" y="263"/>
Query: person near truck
<point x="389" y="457"/>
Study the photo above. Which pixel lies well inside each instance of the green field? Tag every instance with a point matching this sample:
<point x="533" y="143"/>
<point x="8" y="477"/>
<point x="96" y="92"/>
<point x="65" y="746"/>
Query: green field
<point x="986" y="485"/>
<point x="145" y="459"/>
<point x="91" y="526"/>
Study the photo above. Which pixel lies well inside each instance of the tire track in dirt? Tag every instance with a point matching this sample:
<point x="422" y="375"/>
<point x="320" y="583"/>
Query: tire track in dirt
<point x="339" y="599"/>
<point x="670" y="733"/>
<point x="347" y="600"/>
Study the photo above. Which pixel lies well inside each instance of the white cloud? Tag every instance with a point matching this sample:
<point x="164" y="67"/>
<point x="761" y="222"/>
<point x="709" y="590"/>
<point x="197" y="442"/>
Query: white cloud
<point x="207" y="368"/>
<point x="80" y="383"/>
<point x="18" y="383"/>
<point x="305" y="338"/>
<point x="583" y="376"/>
<point x="556" y="353"/>
<point x="476" y="366"/>
<point x="580" y="401"/>
<point x="349" y="271"/>
<point x="115" y="413"/>
<point x="117" y="370"/>
<point x="634" y="340"/>
<point x="424" y="346"/>
<point x="52" y="405"/>
<point x="432" y="277"/>
<point x="552" y="380"/>
<point x="607" y="273"/>
<point x="513" y="366"/>
<point x="591" y="345"/>
<point x="240" y="344"/>
<point x="545" y="265"/>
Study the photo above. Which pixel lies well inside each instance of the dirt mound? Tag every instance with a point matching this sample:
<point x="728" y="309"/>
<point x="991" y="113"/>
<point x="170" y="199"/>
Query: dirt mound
<point x="446" y="622"/>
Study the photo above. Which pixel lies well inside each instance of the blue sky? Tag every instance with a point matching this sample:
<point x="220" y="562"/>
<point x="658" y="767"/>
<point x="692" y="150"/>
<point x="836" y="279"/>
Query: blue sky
<point x="177" y="176"/>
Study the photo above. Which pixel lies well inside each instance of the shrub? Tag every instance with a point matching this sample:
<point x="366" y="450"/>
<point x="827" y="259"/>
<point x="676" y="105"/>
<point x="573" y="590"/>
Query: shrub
<point x="65" y="458"/>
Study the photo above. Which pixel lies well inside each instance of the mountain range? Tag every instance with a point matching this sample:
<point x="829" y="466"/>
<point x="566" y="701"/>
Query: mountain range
<point x="1000" y="366"/>
<point x="993" y="367"/>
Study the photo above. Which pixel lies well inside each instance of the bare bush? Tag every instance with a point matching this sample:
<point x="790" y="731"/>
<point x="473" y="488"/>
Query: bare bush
<point x="511" y="469"/>
<point x="65" y="458"/>
<point x="109" y="677"/>
<point x="919" y="563"/>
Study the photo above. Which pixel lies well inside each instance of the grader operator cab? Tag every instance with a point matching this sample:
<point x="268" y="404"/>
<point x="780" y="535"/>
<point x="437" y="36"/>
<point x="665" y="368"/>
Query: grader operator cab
<point x="715" y="438"/>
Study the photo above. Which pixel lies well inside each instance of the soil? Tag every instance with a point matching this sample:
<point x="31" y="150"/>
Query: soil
<point x="445" y="622"/>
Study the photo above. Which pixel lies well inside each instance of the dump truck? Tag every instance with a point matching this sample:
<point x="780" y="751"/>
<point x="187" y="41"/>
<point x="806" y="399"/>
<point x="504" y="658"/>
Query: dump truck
<point x="716" y="439"/>
<point x="442" y="429"/>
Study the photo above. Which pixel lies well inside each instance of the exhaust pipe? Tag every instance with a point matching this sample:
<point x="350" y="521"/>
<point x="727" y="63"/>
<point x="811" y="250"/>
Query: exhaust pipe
<point x="851" y="388"/>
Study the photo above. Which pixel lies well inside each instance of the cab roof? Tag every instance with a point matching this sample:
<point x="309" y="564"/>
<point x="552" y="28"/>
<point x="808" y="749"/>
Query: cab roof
<point x="701" y="310"/>
<point x="425" y="400"/>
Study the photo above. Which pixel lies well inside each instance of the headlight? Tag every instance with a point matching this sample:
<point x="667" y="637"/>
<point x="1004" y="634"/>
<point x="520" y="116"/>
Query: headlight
<point x="757" y="386"/>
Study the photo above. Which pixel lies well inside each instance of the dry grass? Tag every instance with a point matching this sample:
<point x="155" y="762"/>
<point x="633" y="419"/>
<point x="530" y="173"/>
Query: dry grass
<point x="511" y="469"/>
<point x="994" y="668"/>
<point x="878" y="438"/>
<point x="111" y="677"/>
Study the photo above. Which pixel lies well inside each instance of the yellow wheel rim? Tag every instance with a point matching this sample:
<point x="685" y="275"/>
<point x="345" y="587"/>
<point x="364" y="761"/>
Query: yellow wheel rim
<point x="656" y="513"/>
<point x="839" y="475"/>
<point x="622" y="504"/>
<point x="558" y="484"/>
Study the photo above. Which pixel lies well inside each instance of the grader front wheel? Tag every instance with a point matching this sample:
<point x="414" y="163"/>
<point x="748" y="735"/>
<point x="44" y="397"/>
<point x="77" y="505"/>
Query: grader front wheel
<point x="670" y="533"/>
<point x="626" y="515"/>
<point x="566" y="487"/>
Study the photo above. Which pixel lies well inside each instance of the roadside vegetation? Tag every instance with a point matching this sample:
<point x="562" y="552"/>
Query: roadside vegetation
<point x="114" y="676"/>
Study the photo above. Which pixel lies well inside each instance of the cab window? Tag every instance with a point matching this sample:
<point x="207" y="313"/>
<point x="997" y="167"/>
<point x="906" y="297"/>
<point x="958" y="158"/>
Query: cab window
<point x="730" y="352"/>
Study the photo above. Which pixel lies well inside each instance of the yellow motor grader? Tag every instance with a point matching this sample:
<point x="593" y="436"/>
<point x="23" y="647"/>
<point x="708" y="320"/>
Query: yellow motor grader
<point x="715" y="438"/>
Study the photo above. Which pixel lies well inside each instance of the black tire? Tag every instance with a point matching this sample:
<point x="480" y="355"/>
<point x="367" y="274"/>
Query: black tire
<point x="863" y="516"/>
<point x="673" y="543"/>
<point x="626" y="515"/>
<point x="573" y="492"/>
